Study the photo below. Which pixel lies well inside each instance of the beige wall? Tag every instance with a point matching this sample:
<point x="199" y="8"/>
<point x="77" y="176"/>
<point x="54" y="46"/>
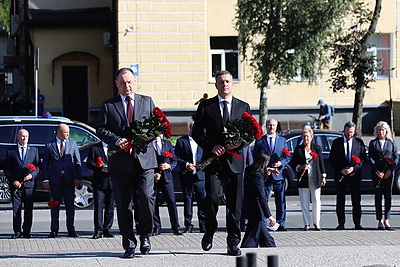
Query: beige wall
<point x="73" y="40"/>
<point x="170" y="42"/>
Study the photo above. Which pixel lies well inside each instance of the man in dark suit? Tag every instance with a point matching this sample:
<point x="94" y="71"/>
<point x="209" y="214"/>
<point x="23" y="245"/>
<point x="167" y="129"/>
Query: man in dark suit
<point x="22" y="184"/>
<point x="102" y="191"/>
<point x="211" y="117"/>
<point x="188" y="154"/>
<point x="61" y="173"/>
<point x="132" y="174"/>
<point x="164" y="184"/>
<point x="274" y="144"/>
<point x="347" y="172"/>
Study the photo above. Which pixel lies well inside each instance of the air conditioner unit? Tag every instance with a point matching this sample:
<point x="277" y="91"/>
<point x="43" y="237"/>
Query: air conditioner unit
<point x="107" y="39"/>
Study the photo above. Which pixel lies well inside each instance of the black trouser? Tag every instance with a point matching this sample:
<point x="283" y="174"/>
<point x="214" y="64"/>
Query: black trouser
<point x="231" y="183"/>
<point x="355" y="192"/>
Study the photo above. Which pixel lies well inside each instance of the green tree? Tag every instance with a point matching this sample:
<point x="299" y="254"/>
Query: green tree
<point x="5" y="14"/>
<point x="282" y="38"/>
<point x="354" y="67"/>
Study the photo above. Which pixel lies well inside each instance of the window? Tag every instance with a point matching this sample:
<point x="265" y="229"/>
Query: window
<point x="39" y="135"/>
<point x="8" y="135"/>
<point x="81" y="136"/>
<point x="224" y="55"/>
<point x="381" y="47"/>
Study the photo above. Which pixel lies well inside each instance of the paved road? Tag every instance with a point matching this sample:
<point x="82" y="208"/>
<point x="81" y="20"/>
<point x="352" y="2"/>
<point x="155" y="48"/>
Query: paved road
<point x="295" y="248"/>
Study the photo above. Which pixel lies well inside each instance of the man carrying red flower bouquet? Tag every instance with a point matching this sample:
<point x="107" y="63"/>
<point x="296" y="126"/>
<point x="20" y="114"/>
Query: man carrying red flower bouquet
<point x="132" y="173"/>
<point x="276" y="148"/>
<point x="211" y="118"/>
<point x="342" y="160"/>
<point x="103" y="192"/>
<point x="164" y="184"/>
<point x="21" y="168"/>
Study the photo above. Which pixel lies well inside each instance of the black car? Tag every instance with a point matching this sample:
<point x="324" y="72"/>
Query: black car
<point x="42" y="131"/>
<point x="326" y="138"/>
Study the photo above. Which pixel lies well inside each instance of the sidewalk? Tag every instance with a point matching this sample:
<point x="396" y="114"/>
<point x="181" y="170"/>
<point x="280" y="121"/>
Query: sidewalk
<point x="295" y="248"/>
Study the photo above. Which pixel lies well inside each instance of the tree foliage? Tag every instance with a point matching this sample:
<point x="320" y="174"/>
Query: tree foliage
<point x="5" y="14"/>
<point x="354" y="67"/>
<point x="281" y="38"/>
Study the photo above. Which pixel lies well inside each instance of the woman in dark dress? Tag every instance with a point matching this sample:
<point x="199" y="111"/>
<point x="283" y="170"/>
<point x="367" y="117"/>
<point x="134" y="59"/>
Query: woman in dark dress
<point x="384" y="157"/>
<point x="310" y="172"/>
<point x="256" y="205"/>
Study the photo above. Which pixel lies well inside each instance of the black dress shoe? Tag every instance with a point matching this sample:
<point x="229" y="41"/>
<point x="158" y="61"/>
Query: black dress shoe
<point x="129" y="253"/>
<point x="282" y="228"/>
<point x="188" y="229"/>
<point x="359" y="227"/>
<point x="72" y="234"/>
<point x="145" y="245"/>
<point x="206" y="242"/>
<point x="156" y="232"/>
<point x="177" y="231"/>
<point x="108" y="234"/>
<point x="26" y="235"/>
<point x="52" y="234"/>
<point x="340" y="227"/>
<point x="97" y="236"/>
<point x="234" y="250"/>
<point x="16" y="235"/>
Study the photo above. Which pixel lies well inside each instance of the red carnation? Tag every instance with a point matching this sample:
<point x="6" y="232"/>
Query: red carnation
<point x="254" y="125"/>
<point x="356" y="159"/>
<point x="99" y="162"/>
<point x="168" y="154"/>
<point x="31" y="167"/>
<point x="313" y="156"/>
<point x="53" y="204"/>
<point x="390" y="161"/>
<point x="286" y="151"/>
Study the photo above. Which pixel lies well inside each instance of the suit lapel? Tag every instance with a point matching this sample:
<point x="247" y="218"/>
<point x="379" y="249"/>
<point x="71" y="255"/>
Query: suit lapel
<point x="235" y="110"/>
<point x="216" y="110"/>
<point x="120" y="108"/>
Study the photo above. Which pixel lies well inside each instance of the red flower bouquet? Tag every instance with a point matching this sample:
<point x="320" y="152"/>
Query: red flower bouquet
<point x="145" y="131"/>
<point x="313" y="156"/>
<point x="388" y="163"/>
<point x="354" y="160"/>
<point x="243" y="130"/>
<point x="25" y="171"/>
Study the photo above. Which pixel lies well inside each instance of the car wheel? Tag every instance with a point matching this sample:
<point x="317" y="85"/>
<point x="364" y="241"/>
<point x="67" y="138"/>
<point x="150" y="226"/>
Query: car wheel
<point x="5" y="192"/>
<point x="84" y="195"/>
<point x="396" y="183"/>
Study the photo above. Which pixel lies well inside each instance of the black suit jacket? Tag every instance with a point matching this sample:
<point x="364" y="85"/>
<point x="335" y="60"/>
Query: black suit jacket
<point x="377" y="155"/>
<point x="337" y="156"/>
<point x="255" y="197"/>
<point x="318" y="166"/>
<point x="208" y="129"/>
<point x="167" y="174"/>
<point x="113" y="124"/>
<point x="101" y="180"/>
<point x="184" y="155"/>
<point x="13" y="165"/>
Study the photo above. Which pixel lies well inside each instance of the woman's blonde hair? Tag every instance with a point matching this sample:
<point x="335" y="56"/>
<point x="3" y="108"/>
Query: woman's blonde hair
<point x="385" y="126"/>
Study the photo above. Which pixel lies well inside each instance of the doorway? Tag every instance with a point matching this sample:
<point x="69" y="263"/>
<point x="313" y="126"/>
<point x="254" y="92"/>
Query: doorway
<point x="75" y="93"/>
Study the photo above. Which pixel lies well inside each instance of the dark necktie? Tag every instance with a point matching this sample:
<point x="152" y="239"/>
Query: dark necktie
<point x="129" y="109"/>
<point x="271" y="144"/>
<point x="62" y="149"/>
<point x="348" y="151"/>
<point x="22" y="153"/>
<point x="225" y="114"/>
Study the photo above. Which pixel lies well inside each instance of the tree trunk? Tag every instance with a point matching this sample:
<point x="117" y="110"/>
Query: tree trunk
<point x="358" y="110"/>
<point x="359" y="77"/>
<point x="263" y="104"/>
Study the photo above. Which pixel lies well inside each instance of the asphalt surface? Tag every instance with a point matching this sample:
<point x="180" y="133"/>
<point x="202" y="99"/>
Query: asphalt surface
<point x="329" y="247"/>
